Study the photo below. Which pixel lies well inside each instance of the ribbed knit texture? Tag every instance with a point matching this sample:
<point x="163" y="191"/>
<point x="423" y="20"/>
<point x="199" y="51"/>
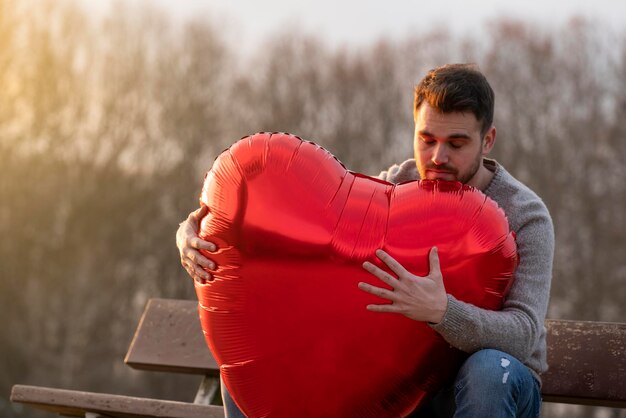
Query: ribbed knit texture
<point x="518" y="329"/>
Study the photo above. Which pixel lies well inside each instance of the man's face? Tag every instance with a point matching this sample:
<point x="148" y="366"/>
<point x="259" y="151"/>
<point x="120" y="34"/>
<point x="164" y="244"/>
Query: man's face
<point x="449" y="146"/>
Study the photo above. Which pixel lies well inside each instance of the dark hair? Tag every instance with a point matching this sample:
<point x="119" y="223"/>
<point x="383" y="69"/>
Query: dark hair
<point x="457" y="88"/>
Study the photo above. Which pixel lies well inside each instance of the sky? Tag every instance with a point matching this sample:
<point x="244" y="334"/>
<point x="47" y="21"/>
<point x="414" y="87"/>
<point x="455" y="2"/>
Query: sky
<point x="359" y="21"/>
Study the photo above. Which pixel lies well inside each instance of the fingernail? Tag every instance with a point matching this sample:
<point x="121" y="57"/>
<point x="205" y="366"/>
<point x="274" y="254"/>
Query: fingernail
<point x="212" y="248"/>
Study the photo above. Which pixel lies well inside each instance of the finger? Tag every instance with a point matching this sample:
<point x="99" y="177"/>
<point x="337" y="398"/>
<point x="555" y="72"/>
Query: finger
<point x="201" y="244"/>
<point x="391" y="263"/>
<point x="435" y="268"/>
<point x="198" y="213"/>
<point x="198" y="279"/>
<point x="197" y="273"/>
<point x="200" y="274"/>
<point x="377" y="291"/>
<point x="381" y="274"/>
<point x="389" y="307"/>
<point x="196" y="258"/>
<point x="192" y="273"/>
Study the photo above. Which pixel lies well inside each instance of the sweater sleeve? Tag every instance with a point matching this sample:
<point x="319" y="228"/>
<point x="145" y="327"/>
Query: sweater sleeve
<point x="398" y="173"/>
<point x="518" y="328"/>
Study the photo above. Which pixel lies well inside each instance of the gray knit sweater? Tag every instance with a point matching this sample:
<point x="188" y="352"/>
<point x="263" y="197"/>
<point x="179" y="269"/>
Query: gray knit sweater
<point x="518" y="328"/>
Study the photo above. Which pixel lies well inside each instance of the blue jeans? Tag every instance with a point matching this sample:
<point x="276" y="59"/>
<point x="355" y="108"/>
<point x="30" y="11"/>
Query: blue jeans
<point x="490" y="384"/>
<point x="231" y="410"/>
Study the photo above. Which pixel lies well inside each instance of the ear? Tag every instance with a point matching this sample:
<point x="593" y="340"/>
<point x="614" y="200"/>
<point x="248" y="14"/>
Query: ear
<point x="489" y="140"/>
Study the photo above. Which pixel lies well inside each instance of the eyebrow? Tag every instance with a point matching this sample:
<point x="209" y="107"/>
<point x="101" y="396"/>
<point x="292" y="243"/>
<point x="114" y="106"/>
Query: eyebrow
<point x="424" y="132"/>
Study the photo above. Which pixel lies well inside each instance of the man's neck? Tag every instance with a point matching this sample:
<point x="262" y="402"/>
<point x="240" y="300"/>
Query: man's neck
<point x="482" y="178"/>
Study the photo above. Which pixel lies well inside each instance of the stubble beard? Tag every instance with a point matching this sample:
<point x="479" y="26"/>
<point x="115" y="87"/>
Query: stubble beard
<point x="469" y="175"/>
<point x="463" y="177"/>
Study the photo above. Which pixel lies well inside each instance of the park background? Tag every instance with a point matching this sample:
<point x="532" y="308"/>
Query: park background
<point x="110" y="116"/>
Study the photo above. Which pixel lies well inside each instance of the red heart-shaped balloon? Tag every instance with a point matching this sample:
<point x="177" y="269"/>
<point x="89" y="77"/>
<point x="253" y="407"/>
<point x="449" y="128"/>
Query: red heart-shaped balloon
<point x="284" y="317"/>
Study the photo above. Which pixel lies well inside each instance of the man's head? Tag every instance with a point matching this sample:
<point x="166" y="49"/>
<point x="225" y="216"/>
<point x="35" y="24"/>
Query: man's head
<point x="453" y="114"/>
<point x="457" y="88"/>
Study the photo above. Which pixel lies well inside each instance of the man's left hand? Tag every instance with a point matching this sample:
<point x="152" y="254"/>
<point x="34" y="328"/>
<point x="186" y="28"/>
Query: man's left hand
<point x="418" y="298"/>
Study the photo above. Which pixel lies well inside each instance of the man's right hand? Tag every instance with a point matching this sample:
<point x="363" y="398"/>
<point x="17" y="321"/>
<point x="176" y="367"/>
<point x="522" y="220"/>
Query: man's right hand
<point x="189" y="243"/>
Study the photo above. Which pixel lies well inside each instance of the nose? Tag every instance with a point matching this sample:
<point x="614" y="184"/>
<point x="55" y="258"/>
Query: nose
<point x="439" y="155"/>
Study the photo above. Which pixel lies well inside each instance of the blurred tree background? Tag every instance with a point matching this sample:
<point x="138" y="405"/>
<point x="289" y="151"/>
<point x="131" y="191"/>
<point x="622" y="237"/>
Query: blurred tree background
<point x="108" y="124"/>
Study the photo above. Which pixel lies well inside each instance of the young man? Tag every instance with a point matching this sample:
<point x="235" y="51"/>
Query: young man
<point x="454" y="132"/>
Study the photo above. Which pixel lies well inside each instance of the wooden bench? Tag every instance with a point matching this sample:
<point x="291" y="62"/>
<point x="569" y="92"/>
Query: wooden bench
<point x="587" y="367"/>
<point x="168" y="339"/>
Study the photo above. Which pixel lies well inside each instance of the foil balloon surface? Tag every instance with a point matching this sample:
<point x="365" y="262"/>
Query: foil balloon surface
<point x="283" y="315"/>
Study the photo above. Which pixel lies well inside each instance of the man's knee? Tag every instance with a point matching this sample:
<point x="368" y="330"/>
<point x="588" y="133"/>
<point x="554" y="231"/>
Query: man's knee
<point x="490" y="370"/>
<point x="494" y="383"/>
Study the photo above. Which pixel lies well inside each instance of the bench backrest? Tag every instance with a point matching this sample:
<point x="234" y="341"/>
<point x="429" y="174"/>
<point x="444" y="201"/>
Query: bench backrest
<point x="587" y="363"/>
<point x="169" y="338"/>
<point x="587" y="359"/>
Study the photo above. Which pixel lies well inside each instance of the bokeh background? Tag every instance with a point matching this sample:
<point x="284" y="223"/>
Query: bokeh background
<point x="111" y="113"/>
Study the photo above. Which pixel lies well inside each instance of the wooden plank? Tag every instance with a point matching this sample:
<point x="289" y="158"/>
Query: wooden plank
<point x="77" y="404"/>
<point x="169" y="338"/>
<point x="587" y="363"/>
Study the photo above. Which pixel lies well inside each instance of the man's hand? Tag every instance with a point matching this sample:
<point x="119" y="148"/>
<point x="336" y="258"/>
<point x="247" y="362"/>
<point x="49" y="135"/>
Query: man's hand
<point x="418" y="298"/>
<point x="189" y="243"/>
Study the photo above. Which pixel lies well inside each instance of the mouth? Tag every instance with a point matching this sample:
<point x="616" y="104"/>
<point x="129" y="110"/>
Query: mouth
<point x="440" y="175"/>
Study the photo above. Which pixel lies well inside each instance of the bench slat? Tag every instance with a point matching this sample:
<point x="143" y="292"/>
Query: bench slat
<point x="77" y="403"/>
<point x="587" y="363"/>
<point x="169" y="338"/>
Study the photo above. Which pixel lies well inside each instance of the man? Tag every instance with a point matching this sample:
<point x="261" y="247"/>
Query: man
<point x="454" y="133"/>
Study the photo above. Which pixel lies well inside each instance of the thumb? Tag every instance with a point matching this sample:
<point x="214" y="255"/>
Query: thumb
<point x="198" y="214"/>
<point x="435" y="268"/>
<point x="202" y="211"/>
